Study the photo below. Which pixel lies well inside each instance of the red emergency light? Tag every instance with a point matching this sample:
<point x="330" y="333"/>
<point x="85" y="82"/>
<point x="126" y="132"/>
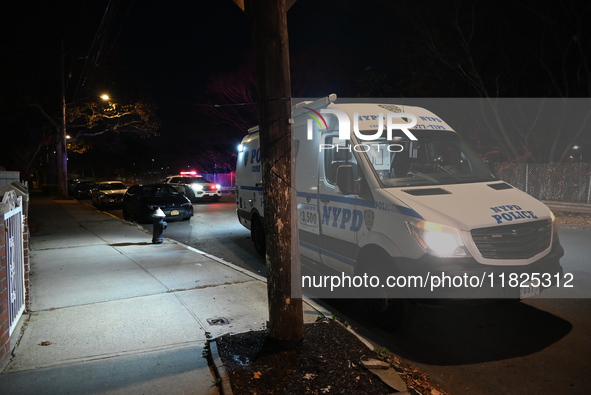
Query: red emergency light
<point x="189" y="173"/>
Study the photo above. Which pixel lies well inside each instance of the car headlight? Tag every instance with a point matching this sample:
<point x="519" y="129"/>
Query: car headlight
<point x="218" y="186"/>
<point x="439" y="240"/>
<point x="197" y="187"/>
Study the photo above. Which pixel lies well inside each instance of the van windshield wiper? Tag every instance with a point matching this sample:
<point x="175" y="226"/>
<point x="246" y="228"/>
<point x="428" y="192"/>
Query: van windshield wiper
<point x="447" y="171"/>
<point x="424" y="176"/>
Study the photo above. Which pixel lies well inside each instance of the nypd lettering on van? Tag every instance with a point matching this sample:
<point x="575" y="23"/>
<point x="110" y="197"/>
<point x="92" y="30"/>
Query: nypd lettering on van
<point x="511" y="212"/>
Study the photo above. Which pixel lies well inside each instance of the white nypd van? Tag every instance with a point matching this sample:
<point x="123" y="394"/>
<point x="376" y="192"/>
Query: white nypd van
<point x="393" y="192"/>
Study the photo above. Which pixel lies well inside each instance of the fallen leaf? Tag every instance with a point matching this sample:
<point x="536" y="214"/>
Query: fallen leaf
<point x="257" y="375"/>
<point x="326" y="390"/>
<point x="45" y="343"/>
<point x="435" y="392"/>
<point x="308" y="376"/>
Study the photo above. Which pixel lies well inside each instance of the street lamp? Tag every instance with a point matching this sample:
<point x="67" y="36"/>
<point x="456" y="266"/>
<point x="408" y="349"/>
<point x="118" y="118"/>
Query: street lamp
<point x="61" y="143"/>
<point x="577" y="148"/>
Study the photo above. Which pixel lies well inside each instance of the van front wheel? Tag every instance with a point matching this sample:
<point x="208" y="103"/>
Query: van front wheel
<point x="390" y="312"/>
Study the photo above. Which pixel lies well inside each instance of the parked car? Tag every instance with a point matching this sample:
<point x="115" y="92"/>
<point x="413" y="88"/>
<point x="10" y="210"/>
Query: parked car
<point x="108" y="193"/>
<point x="140" y="202"/>
<point x="72" y="185"/>
<point x="195" y="187"/>
<point x="83" y="189"/>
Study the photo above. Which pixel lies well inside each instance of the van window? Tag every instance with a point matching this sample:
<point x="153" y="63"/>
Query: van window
<point x="340" y="154"/>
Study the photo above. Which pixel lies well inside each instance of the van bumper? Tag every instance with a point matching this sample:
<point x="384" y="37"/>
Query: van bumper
<point x="465" y="278"/>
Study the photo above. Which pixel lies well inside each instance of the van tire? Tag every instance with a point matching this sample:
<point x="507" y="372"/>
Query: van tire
<point x="390" y="314"/>
<point x="393" y="315"/>
<point x="257" y="234"/>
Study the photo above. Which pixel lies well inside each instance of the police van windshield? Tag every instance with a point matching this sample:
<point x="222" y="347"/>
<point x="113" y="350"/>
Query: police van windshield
<point x="438" y="157"/>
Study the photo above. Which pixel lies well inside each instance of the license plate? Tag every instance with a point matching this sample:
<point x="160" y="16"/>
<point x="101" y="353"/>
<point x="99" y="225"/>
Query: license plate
<point x="527" y="290"/>
<point x="174" y="212"/>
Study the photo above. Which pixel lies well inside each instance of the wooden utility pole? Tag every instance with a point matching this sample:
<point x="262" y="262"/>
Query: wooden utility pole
<point x="271" y="49"/>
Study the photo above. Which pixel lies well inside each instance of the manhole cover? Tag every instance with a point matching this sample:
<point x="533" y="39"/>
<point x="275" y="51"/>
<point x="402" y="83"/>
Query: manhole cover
<point x="218" y="321"/>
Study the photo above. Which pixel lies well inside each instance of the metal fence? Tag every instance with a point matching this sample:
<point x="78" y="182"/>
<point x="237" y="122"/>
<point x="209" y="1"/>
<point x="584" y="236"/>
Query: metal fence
<point x="561" y="182"/>
<point x="226" y="180"/>
<point x="15" y="269"/>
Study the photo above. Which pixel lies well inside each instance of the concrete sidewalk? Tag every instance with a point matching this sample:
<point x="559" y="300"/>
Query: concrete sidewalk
<point x="112" y="313"/>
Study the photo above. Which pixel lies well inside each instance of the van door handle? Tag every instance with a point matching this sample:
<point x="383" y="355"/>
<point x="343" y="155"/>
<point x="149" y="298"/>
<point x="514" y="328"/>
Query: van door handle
<point x="325" y="201"/>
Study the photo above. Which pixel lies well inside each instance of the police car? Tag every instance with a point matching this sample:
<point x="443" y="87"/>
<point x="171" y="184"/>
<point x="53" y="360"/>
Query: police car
<point x="194" y="186"/>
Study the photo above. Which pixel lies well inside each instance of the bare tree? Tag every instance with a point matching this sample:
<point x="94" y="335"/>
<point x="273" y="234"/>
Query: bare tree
<point x="233" y="98"/>
<point x="512" y="49"/>
<point x="91" y="118"/>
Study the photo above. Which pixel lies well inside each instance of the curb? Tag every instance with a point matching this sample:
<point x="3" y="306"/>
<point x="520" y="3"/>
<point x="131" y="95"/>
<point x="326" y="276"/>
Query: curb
<point x="220" y="370"/>
<point x="574" y="226"/>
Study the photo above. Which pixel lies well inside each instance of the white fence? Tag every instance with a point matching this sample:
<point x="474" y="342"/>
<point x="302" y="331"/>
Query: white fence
<point x="15" y="268"/>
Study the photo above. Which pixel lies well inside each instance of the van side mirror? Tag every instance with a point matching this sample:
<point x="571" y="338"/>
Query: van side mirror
<point x="345" y="181"/>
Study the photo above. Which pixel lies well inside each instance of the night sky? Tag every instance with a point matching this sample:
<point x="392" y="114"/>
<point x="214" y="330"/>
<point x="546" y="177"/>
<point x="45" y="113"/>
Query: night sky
<point x="173" y="51"/>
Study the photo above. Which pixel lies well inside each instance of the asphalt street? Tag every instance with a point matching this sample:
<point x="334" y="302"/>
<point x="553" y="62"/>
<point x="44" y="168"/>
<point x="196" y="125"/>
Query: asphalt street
<point x="538" y="346"/>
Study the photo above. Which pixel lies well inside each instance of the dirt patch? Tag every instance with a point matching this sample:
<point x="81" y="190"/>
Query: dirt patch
<point x="574" y="220"/>
<point x="326" y="362"/>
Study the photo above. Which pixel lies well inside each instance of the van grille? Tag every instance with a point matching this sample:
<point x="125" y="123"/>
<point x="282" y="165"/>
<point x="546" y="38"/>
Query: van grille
<point x="519" y="241"/>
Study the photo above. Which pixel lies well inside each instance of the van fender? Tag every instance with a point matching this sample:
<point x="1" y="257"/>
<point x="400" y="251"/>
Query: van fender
<point x="245" y="217"/>
<point x="379" y="240"/>
<point x="254" y="214"/>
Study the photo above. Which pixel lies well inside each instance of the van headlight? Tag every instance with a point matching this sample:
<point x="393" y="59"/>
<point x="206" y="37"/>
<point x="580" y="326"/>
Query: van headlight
<point x="554" y="226"/>
<point x="197" y="187"/>
<point x="439" y="240"/>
